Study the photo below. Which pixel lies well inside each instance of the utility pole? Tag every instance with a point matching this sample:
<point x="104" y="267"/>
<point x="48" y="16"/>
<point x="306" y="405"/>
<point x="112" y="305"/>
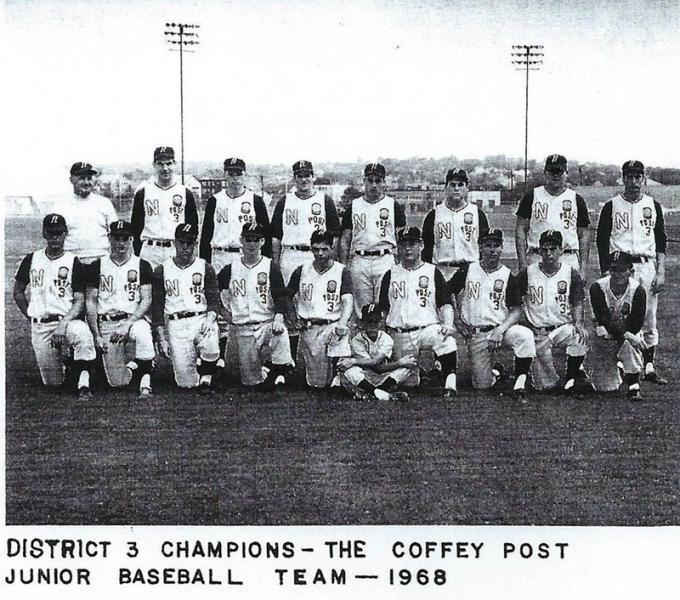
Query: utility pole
<point x="181" y="34"/>
<point x="529" y="57"/>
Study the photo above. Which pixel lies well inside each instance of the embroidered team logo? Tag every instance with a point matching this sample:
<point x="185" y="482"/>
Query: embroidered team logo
<point x="467" y="218"/>
<point x="197" y="279"/>
<point x="62" y="273"/>
<point x="625" y="309"/>
<point x="261" y="278"/>
<point x="245" y="207"/>
<point x="177" y="200"/>
<point x="316" y="208"/>
<point x="498" y="285"/>
<point x="384" y="213"/>
<point x="646" y="213"/>
<point x="561" y="287"/>
<point x="566" y="205"/>
<point x="132" y="276"/>
<point x="332" y="286"/>
<point x="423" y="281"/>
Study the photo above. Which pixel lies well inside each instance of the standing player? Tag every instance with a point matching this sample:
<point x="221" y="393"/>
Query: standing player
<point x="368" y="242"/>
<point x="633" y="222"/>
<point x="56" y="280"/>
<point x="619" y="304"/>
<point x="414" y="296"/>
<point x="451" y="230"/>
<point x="487" y="314"/>
<point x="118" y="299"/>
<point x="159" y="206"/>
<point x="257" y="302"/>
<point x="555" y="207"/>
<point x="88" y="216"/>
<point x="553" y="294"/>
<point x="322" y="294"/>
<point x="370" y="372"/>
<point x="185" y="304"/>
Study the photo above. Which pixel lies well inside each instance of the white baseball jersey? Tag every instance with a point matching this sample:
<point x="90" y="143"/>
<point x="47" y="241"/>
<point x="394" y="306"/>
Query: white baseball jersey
<point x="456" y="232"/>
<point x="319" y="294"/>
<point x="373" y="225"/>
<point x="250" y="292"/>
<point x="184" y="287"/>
<point x="88" y="220"/>
<point x="619" y="307"/>
<point x="164" y="209"/>
<point x="633" y="226"/>
<point x="119" y="285"/>
<point x="364" y="347"/>
<point x="51" y="282"/>
<point x="554" y="212"/>
<point x="483" y="299"/>
<point x="231" y="214"/>
<point x="546" y="302"/>
<point x="302" y="217"/>
<point x="412" y="296"/>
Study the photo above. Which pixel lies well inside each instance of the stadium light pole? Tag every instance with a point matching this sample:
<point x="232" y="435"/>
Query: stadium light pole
<point x="181" y="34"/>
<point x="528" y="56"/>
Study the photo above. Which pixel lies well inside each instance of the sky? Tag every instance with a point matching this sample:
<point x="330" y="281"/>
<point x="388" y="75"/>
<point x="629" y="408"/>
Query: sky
<point x="276" y="81"/>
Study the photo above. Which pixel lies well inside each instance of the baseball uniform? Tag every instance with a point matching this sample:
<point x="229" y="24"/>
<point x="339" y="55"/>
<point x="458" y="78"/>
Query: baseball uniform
<point x="318" y="298"/>
<point x="256" y="294"/>
<point x="486" y="299"/>
<point x="54" y="285"/>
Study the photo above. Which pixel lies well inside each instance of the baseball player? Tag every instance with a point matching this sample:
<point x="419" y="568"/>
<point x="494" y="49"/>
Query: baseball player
<point x="633" y="222"/>
<point x="368" y="240"/>
<point x="56" y="283"/>
<point x="185" y="304"/>
<point x="414" y="296"/>
<point x="118" y="299"/>
<point x="296" y="216"/>
<point x="451" y="230"/>
<point x="322" y="294"/>
<point x="619" y="304"/>
<point x="88" y="216"/>
<point x="487" y="312"/>
<point x="553" y="294"/>
<point x="370" y="372"/>
<point x="225" y="215"/>
<point x="554" y="206"/>
<point x="257" y="303"/>
<point x="159" y="206"/>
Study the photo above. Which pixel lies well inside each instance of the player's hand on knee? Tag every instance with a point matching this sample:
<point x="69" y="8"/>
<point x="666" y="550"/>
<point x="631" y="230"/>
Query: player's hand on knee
<point x="659" y="283"/>
<point x="495" y="339"/>
<point x="409" y="361"/>
<point x="101" y="344"/>
<point x="341" y="330"/>
<point x="464" y="329"/>
<point x="58" y="338"/>
<point x="447" y="331"/>
<point x="581" y="333"/>
<point x="278" y="326"/>
<point x="634" y="340"/>
<point x="163" y="348"/>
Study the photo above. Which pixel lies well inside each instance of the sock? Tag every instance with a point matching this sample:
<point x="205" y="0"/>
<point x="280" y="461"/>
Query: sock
<point x="224" y="341"/>
<point x="145" y="381"/>
<point x="294" y="342"/>
<point x="448" y="362"/>
<point x="450" y="383"/>
<point x="83" y="367"/>
<point x="573" y="365"/>
<point x="366" y="386"/>
<point x="207" y="367"/>
<point x="632" y="379"/>
<point x="520" y="382"/>
<point x="522" y="366"/>
<point x="389" y="385"/>
<point x="145" y="366"/>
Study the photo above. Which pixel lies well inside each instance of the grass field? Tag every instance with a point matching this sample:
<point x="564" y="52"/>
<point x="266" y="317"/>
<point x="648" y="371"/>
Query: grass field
<point x="237" y="458"/>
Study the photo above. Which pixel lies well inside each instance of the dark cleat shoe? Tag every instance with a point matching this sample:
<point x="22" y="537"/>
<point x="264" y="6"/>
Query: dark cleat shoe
<point x="398" y="397"/>
<point x="205" y="390"/>
<point x="450" y="394"/>
<point x="654" y="377"/>
<point x="569" y="387"/>
<point x="519" y="394"/>
<point x="84" y="393"/>
<point x="144" y="393"/>
<point x="498" y="372"/>
<point x="634" y="395"/>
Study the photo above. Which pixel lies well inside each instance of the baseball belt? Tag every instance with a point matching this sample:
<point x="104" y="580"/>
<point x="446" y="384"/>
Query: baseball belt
<point x="406" y="329"/>
<point x="565" y="251"/>
<point x="641" y="259"/>
<point x="373" y="252"/>
<point x="226" y="248"/>
<point x="302" y="248"/>
<point x="547" y="329"/>
<point x="114" y="316"/>
<point x="185" y="314"/>
<point x="163" y="243"/>
<point x="307" y="323"/>
<point x="252" y="323"/>
<point x="47" y="319"/>
<point x="484" y="329"/>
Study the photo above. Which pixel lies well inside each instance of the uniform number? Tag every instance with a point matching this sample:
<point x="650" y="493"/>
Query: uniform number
<point x="423" y="301"/>
<point x="330" y="305"/>
<point x="198" y="298"/>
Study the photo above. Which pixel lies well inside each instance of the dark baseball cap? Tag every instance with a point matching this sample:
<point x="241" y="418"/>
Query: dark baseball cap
<point x="54" y="222"/>
<point x="495" y="235"/>
<point x="374" y="169"/>
<point x="163" y="153"/>
<point x="457" y="175"/>
<point x="234" y="164"/>
<point x="555" y="162"/>
<point x="303" y="166"/>
<point x="322" y="237"/>
<point x="186" y="231"/>
<point x="371" y="313"/>
<point x="620" y="259"/>
<point x="409" y="234"/>
<point x="253" y="229"/>
<point x="121" y="228"/>
<point x="550" y="236"/>
<point x="81" y="168"/>
<point x="633" y="166"/>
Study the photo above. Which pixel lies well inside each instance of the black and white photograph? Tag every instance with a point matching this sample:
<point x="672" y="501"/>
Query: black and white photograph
<point x="399" y="274"/>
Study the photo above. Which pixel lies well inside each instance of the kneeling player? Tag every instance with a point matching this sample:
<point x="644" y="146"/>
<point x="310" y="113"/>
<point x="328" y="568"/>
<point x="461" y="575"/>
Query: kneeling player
<point x="118" y="298"/>
<point x="322" y="295"/>
<point x="619" y="304"/>
<point x="185" y="305"/>
<point x="56" y="280"/>
<point x="370" y="370"/>
<point x="256" y="299"/>
<point x="487" y="311"/>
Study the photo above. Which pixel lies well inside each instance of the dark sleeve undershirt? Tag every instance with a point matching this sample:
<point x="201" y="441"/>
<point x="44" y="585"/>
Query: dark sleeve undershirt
<point x="457" y="283"/>
<point x="440" y="289"/>
<point x="483" y="223"/>
<point x="279" y="292"/>
<point x="294" y="282"/>
<point x="212" y="294"/>
<point x="399" y="215"/>
<point x="636" y="317"/>
<point x="660" y="230"/>
<point x="428" y="237"/>
<point x="332" y="219"/>
<point x="346" y="283"/>
<point x="158" y="296"/>
<point x="604" y="232"/>
<point x="577" y="288"/>
<point x="208" y="229"/>
<point x="582" y="216"/>
<point x="347" y="217"/>
<point x="525" y="205"/>
<point x="145" y="273"/>
<point x="522" y="282"/>
<point x="512" y="296"/>
<point x="190" y="211"/>
<point x="24" y="270"/>
<point x="137" y="220"/>
<point x="224" y="278"/>
<point x="277" y="219"/>
<point x="262" y="217"/>
<point x="384" y="297"/>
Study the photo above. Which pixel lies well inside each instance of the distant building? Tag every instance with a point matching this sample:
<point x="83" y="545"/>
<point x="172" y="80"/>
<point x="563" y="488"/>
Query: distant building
<point x="194" y="185"/>
<point x="210" y="187"/>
